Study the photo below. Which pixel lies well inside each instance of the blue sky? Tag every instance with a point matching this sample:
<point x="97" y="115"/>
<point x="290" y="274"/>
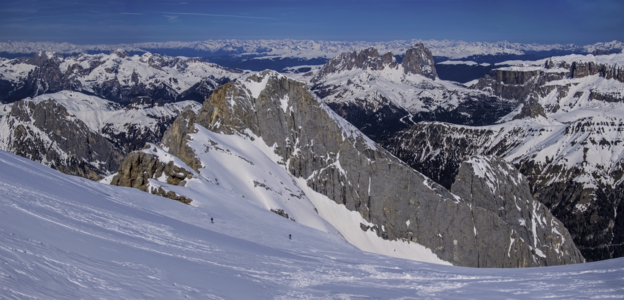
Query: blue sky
<point x="107" y="22"/>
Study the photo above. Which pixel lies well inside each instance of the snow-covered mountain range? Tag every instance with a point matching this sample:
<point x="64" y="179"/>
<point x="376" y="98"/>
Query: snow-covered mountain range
<point x="381" y="96"/>
<point x="309" y="49"/>
<point x="116" y="76"/>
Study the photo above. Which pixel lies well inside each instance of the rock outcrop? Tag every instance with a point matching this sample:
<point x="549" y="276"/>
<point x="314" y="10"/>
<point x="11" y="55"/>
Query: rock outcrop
<point x="417" y="60"/>
<point x="532" y="109"/>
<point x="367" y="59"/>
<point x="139" y="167"/>
<point x="338" y="161"/>
<point x="535" y="81"/>
<point x="568" y="146"/>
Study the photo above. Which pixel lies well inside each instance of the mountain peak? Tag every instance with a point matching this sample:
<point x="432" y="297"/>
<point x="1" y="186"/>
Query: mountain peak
<point x="119" y="52"/>
<point x="419" y="60"/>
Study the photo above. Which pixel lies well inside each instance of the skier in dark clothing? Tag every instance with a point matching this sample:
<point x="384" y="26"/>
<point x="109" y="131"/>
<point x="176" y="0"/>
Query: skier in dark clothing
<point x="211" y="220"/>
<point x="290" y="237"/>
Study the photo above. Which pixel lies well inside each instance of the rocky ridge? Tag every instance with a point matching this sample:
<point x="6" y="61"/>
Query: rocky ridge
<point x="83" y="135"/>
<point x="45" y="132"/>
<point x="336" y="160"/>
<point x="529" y="81"/>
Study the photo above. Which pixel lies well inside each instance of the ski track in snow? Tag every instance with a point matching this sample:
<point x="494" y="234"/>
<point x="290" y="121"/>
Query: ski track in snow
<point x="67" y="237"/>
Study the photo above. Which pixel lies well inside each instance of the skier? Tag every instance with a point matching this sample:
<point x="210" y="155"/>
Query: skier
<point x="211" y="220"/>
<point x="290" y="237"/>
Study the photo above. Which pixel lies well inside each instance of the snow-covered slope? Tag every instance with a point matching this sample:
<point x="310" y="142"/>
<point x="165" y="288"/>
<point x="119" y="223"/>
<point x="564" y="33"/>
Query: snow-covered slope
<point x="115" y="76"/>
<point x="245" y="168"/>
<point x="66" y="237"/>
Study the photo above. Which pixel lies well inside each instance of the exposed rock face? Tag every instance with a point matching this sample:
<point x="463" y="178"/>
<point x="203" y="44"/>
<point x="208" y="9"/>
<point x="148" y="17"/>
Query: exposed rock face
<point x="418" y="60"/>
<point x="116" y="77"/>
<point x="583" y="69"/>
<point x="524" y="83"/>
<point x="338" y="161"/>
<point x="495" y="185"/>
<point x="563" y="166"/>
<point x="367" y="59"/>
<point x="45" y="132"/>
<point x="139" y="167"/>
<point x="532" y="110"/>
<point x="573" y="166"/>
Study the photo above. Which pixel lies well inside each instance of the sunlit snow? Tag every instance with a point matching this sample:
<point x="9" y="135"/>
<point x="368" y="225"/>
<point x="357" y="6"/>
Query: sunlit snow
<point x="67" y="237"/>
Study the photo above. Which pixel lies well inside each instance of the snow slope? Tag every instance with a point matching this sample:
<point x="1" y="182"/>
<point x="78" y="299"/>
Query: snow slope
<point x="250" y="169"/>
<point x="66" y="237"/>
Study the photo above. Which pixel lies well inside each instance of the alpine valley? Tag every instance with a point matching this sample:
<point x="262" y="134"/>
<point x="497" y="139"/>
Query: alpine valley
<point x="350" y="170"/>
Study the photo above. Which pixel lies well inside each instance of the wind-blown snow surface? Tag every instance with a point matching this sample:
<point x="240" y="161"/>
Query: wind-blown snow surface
<point x="66" y="237"/>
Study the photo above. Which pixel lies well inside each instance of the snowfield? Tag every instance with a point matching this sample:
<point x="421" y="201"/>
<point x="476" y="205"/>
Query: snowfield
<point x="65" y="237"/>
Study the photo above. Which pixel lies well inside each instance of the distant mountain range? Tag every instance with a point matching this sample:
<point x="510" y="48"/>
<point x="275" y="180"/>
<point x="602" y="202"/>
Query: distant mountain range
<point x="309" y="49"/>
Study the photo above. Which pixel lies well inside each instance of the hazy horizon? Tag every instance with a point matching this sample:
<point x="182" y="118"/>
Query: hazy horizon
<point x="579" y="22"/>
